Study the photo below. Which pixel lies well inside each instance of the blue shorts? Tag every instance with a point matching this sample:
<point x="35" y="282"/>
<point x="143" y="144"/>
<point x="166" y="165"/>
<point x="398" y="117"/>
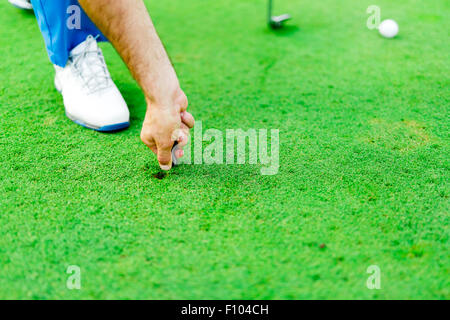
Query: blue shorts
<point x="64" y="25"/>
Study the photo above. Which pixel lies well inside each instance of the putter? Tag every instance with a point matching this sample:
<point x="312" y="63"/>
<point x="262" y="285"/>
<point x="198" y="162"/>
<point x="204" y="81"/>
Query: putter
<point x="276" y="22"/>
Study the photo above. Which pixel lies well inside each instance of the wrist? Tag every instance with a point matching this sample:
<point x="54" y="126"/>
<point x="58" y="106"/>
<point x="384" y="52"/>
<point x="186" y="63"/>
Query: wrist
<point x="172" y="98"/>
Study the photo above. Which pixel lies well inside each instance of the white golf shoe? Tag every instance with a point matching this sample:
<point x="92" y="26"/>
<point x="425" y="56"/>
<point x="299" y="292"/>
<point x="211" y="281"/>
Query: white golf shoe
<point x="91" y="98"/>
<point x="22" y="4"/>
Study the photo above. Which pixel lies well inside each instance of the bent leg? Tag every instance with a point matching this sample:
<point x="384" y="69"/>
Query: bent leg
<point x="64" y="25"/>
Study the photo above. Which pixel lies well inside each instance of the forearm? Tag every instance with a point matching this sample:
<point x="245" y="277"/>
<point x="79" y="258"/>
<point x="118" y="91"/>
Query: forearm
<point x="128" y="26"/>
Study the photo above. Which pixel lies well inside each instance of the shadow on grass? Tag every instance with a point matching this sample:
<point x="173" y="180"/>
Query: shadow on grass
<point x="286" y="31"/>
<point x="135" y="101"/>
<point x="25" y="13"/>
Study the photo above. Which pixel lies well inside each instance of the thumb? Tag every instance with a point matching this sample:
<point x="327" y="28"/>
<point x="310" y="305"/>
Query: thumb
<point x="165" y="156"/>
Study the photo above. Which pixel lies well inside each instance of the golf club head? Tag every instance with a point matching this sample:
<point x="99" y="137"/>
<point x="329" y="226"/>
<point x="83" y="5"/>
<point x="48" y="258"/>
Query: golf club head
<point x="276" y="22"/>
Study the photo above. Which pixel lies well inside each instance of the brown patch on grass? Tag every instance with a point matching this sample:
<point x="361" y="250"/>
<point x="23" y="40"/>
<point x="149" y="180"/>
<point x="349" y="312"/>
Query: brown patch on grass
<point x="49" y="121"/>
<point x="403" y="136"/>
<point x="160" y="175"/>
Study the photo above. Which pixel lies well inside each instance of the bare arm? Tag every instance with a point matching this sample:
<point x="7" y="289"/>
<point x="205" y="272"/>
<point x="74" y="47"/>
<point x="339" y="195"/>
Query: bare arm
<point x="128" y="26"/>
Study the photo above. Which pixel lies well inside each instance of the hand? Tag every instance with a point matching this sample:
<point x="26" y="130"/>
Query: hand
<point x="163" y="125"/>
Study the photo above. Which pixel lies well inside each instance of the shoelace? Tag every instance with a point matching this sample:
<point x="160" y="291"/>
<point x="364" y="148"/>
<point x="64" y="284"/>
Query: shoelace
<point x="91" y="67"/>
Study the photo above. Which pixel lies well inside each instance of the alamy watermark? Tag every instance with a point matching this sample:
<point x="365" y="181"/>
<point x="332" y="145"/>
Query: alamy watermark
<point x="374" y="280"/>
<point x="74" y="20"/>
<point x="374" y="20"/>
<point x="231" y="147"/>
<point x="74" y="280"/>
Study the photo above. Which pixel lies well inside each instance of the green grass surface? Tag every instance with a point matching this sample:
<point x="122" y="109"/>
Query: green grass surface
<point x="364" y="162"/>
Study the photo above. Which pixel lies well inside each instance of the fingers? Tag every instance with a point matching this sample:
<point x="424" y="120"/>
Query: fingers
<point x="183" y="136"/>
<point x="182" y="101"/>
<point x="179" y="153"/>
<point x="165" y="156"/>
<point x="187" y="119"/>
<point x="152" y="147"/>
<point x="162" y="158"/>
<point x="148" y="142"/>
<point x="158" y="124"/>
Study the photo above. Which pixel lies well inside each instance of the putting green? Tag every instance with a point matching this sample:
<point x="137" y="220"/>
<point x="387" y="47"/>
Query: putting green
<point x="363" y="177"/>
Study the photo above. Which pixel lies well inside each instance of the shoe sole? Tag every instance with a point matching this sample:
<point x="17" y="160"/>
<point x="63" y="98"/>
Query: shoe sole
<point x="107" y="128"/>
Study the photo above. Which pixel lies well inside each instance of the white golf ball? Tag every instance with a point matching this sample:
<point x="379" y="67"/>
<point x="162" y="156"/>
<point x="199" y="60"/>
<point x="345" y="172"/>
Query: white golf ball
<point x="388" y="28"/>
